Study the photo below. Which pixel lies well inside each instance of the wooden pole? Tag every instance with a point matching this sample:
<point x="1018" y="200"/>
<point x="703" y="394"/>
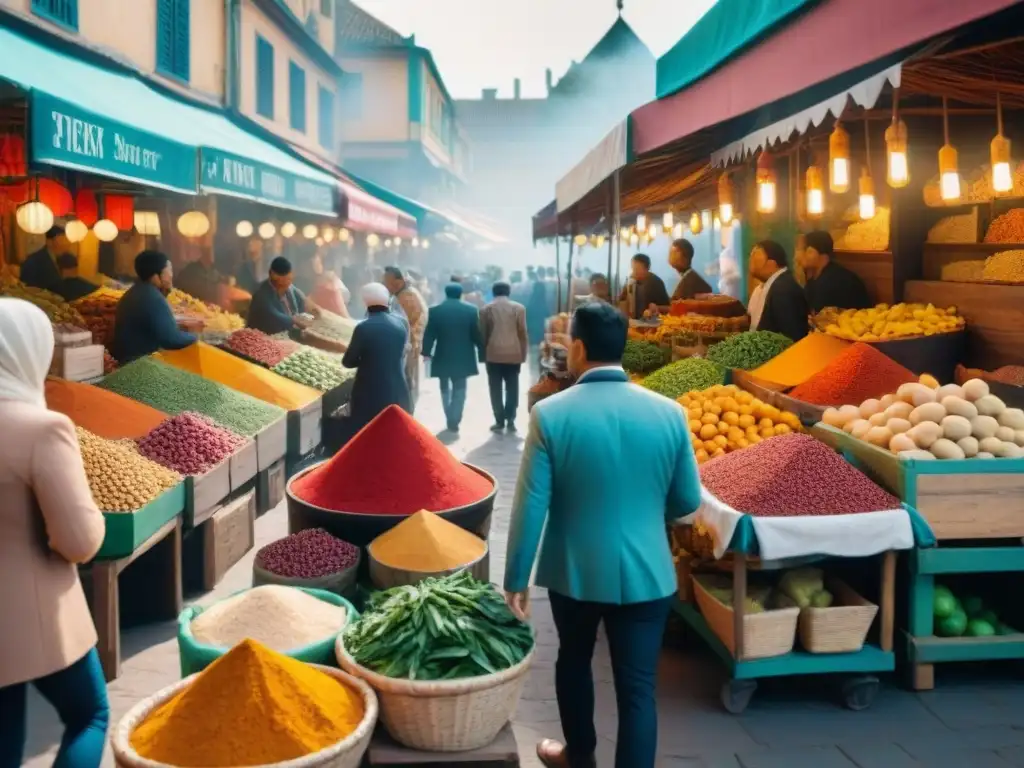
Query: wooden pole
<point x="572" y="243"/>
<point x="616" y="186"/>
<point x="558" y="258"/>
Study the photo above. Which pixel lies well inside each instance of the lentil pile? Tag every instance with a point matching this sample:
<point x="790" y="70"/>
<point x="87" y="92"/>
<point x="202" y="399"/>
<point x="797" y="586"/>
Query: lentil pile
<point x="281" y="618"/>
<point x="190" y="444"/>
<point x="307" y="554"/>
<point x="427" y="543"/>
<point x="259" y="347"/>
<point x="859" y="373"/>
<point x="1005" y="267"/>
<point x="101" y="412"/>
<point x="682" y="376"/>
<point x="120" y="478"/>
<point x="1007" y="227"/>
<point x="252" y="706"/>
<point x="793" y="475"/>
<point x="393" y="466"/>
<point x="174" y="391"/>
<point x="312" y="369"/>
<point x="749" y="349"/>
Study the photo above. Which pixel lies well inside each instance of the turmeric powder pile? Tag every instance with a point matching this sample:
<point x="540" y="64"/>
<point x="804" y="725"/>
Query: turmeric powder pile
<point x="252" y="706"/>
<point x="427" y="543"/>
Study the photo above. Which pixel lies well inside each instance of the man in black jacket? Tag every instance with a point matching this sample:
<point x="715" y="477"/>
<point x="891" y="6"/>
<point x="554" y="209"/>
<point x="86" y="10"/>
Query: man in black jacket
<point x="778" y="304"/>
<point x="829" y="284"/>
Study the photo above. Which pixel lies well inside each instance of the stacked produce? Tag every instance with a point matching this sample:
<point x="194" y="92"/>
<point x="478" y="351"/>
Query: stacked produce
<point x="748" y="350"/>
<point x="720" y="587"/>
<point x="214" y="318"/>
<point x="190" y="444"/>
<point x="281" y="618"/>
<point x="308" y="554"/>
<point x="672" y="325"/>
<point x="333" y="327"/>
<point x="252" y="706"/>
<point x="58" y="310"/>
<point x="419" y="472"/>
<point x="885" y="322"/>
<point x="708" y="304"/>
<point x="1005" y="267"/>
<point x="174" y="391"/>
<point x="101" y="412"/>
<point x="427" y="543"/>
<point x="688" y="375"/>
<point x="643" y="357"/>
<point x="921" y="421"/>
<point x="956" y="229"/>
<point x="955" y="617"/>
<point x="793" y="475"/>
<point x="870" y="235"/>
<point x="440" y="629"/>
<point x="311" y="368"/>
<point x="99" y="309"/>
<point x="259" y="347"/>
<point x="802" y="360"/>
<point x="723" y="419"/>
<point x="858" y="373"/>
<point x="963" y="272"/>
<point x="120" y="478"/>
<point x="1007" y="228"/>
<point x="803" y="588"/>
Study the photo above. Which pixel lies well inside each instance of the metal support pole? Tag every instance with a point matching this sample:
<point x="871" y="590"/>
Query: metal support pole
<point x="558" y="257"/>
<point x="568" y="298"/>
<point x="616" y="285"/>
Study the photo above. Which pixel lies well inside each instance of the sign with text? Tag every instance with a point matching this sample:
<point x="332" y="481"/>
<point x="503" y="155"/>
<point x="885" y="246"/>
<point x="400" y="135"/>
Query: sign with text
<point x="234" y="175"/>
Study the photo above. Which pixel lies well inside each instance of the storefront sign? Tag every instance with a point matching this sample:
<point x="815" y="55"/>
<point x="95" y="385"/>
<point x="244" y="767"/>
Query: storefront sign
<point x="66" y="135"/>
<point x="234" y="175"/>
<point x="370" y="219"/>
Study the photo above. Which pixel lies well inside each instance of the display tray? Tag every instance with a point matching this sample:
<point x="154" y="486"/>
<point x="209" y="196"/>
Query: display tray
<point x="205" y="492"/>
<point x="304" y="428"/>
<point x="243" y="465"/>
<point x="126" y="531"/>
<point x="808" y="413"/>
<point x="272" y="443"/>
<point x="960" y="498"/>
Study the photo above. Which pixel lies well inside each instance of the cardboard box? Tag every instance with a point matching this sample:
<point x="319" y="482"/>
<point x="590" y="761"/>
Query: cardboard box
<point x="68" y="338"/>
<point x="77" y="363"/>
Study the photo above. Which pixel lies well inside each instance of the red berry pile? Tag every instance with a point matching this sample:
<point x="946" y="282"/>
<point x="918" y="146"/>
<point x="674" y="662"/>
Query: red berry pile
<point x="307" y="554"/>
<point x="190" y="444"/>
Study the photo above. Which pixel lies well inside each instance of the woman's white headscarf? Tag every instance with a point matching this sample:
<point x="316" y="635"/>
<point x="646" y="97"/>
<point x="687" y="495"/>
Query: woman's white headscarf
<point x="26" y="350"/>
<point x="376" y="295"/>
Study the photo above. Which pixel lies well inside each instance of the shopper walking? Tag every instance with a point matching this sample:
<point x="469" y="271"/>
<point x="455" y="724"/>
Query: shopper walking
<point x="415" y="310"/>
<point x="48" y="524"/>
<point x="503" y="327"/>
<point x="598" y="517"/>
<point x="452" y="342"/>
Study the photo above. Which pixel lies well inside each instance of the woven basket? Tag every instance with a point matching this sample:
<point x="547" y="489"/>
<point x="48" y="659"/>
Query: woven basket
<point x="340" y="583"/>
<point x="841" y="628"/>
<point x="347" y="753"/>
<point x="444" y="715"/>
<point x="767" y="634"/>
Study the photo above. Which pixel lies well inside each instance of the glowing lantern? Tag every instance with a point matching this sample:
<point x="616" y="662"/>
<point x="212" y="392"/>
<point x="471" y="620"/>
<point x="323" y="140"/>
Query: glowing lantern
<point x="267" y="230"/>
<point x="867" y="195"/>
<point x="398" y="241"/>
<point x="725" y="198"/>
<point x="75" y="231"/>
<point x="244" y="228"/>
<point x="666" y="221"/>
<point x="191" y="224"/>
<point x="897" y="173"/>
<point x="35" y="218"/>
<point x="106" y="230"/>
<point x="1002" y="176"/>
<point x="425" y="243"/>
<point x="815" y="192"/>
<point x="387" y="243"/>
<point x="949" y="174"/>
<point x="373" y="240"/>
<point x="696" y="223"/>
<point x="344" y="235"/>
<point x="120" y="209"/>
<point x="839" y="160"/>
<point x="641" y="223"/>
<point x="580" y="240"/>
<point x="147" y="223"/>
<point x="310" y="231"/>
<point x="327" y="234"/>
<point x="288" y="229"/>
<point x="767" y="184"/>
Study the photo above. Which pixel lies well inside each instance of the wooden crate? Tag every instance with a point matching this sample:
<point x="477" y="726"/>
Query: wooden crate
<point x="204" y="493"/>
<point x="244" y="464"/>
<point x="272" y="443"/>
<point x="228" y="536"/>
<point x="270" y="485"/>
<point x="769" y="393"/>
<point x="304" y="428"/>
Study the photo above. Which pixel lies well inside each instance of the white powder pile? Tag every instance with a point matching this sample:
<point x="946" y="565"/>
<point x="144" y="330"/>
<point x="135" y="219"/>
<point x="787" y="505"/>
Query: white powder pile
<point x="282" y="618"/>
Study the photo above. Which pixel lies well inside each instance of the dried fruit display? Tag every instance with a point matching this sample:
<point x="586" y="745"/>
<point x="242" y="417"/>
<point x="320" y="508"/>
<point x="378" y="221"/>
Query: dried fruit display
<point x="190" y="444"/>
<point x="260" y="347"/>
<point x="307" y="554"/>
<point x="120" y="478"/>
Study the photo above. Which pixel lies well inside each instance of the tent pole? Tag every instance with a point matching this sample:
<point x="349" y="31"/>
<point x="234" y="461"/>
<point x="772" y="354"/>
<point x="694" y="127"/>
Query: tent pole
<point x="616" y="193"/>
<point x="558" y="260"/>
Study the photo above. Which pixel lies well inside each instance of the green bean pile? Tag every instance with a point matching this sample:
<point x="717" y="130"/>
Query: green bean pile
<point x="440" y="629"/>
<point x="749" y="350"/>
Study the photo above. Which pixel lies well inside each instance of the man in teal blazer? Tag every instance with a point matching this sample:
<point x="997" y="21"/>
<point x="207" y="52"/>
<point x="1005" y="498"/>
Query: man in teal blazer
<point x="605" y="466"/>
<point x="453" y="343"/>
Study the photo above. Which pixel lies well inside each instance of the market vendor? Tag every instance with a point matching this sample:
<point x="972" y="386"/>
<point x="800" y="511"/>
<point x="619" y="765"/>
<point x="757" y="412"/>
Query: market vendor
<point x="145" y="322"/>
<point x="644" y="290"/>
<point x="40" y="269"/>
<point x="201" y="279"/>
<point x="778" y="304"/>
<point x="680" y="257"/>
<point x="250" y="273"/>
<point x="72" y="287"/>
<point x="830" y="284"/>
<point x="277" y="305"/>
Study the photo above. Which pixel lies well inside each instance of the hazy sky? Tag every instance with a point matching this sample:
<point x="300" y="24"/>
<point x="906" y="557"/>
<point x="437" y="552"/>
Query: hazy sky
<point x="487" y="43"/>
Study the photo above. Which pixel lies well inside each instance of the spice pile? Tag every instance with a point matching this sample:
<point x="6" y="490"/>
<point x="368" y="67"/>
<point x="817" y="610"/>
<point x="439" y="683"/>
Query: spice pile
<point x="252" y="706"/>
<point x="426" y="543"/>
<point x="956" y="229"/>
<point x="214" y="318"/>
<point x="99" y="309"/>
<point x="790" y="476"/>
<point x="1007" y="227"/>
<point x="120" y="478"/>
<point x="692" y="373"/>
<point x="858" y="373"/>
<point x="259" y="347"/>
<point x="190" y="444"/>
<point x="1005" y="267"/>
<point x="393" y="466"/>
<point x="173" y="391"/>
<point x="881" y="323"/>
<point x="281" y="618"/>
<point x="643" y="357"/>
<point x="58" y="310"/>
<point x="440" y="629"/>
<point x="748" y="350"/>
<point x="308" y="554"/>
<point x="312" y="369"/>
<point x="802" y="360"/>
<point x="101" y="412"/>
<point x="1007" y="374"/>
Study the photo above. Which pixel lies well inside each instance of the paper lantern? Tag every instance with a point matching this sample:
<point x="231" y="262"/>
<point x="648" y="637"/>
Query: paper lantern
<point x="839" y="160"/>
<point x="696" y="223"/>
<point x="75" y="231"/>
<point x="387" y="243"/>
<point x="415" y="242"/>
<point x="641" y="223"/>
<point x="666" y="221"/>
<point x="244" y="228"/>
<point x="580" y="240"/>
<point x="193" y="224"/>
<point x="35" y="218"/>
<point x="55" y="196"/>
<point x="310" y="231"/>
<point x="327" y="234"/>
<point x="867" y="195"/>
<point x="726" y="195"/>
<point x="815" y="192"/>
<point x="13" y="161"/>
<point x="344" y="235"/>
<point x="147" y="223"/>
<point x="319" y="241"/>
<point x="267" y="230"/>
<point x="398" y="241"/>
<point x="87" y="208"/>
<point x="678" y="230"/>
<point x="897" y="167"/>
<point x="425" y="243"/>
<point x="287" y="229"/>
<point x="105" y="230"/>
<point x="999" y="149"/>
<point x="767" y="184"/>
<point x="372" y="240"/>
<point x="120" y="209"/>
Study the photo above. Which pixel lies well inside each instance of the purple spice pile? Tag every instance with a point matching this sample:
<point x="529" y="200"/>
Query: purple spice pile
<point x="257" y="346"/>
<point x="307" y="554"/>
<point x="792" y="475"/>
<point x="190" y="444"/>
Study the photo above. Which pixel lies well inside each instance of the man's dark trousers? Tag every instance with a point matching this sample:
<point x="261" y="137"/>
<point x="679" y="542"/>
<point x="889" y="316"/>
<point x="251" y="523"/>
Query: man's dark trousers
<point x="504" y="376"/>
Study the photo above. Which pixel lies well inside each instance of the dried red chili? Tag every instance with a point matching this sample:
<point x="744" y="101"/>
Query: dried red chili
<point x="861" y="372"/>
<point x="393" y="466"/>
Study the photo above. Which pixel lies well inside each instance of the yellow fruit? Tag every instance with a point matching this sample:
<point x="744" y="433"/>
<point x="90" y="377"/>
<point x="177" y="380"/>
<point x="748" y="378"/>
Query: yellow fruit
<point x="782" y="429"/>
<point x="717" y="453"/>
<point x="707" y="431"/>
<point x="723" y="428"/>
<point x="746" y="410"/>
<point x="731" y="418"/>
<point x="695" y="425"/>
<point x="709" y="418"/>
<point x="768" y="432"/>
<point x="720" y="440"/>
<point x="765" y="423"/>
<point x="710" y="446"/>
<point x="746" y="420"/>
<point x="701" y="455"/>
<point x="735" y="434"/>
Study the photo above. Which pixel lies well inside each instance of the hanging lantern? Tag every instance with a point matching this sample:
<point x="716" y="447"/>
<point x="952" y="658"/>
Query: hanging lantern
<point x="415" y="241"/>
<point x="839" y="160"/>
<point x="310" y="231"/>
<point x="666" y="222"/>
<point x="267" y="230"/>
<point x="425" y="243"/>
<point x="696" y="223"/>
<point x="599" y="242"/>
<point x="373" y="240"/>
<point x="327" y="234"/>
<point x="726" y="195"/>
<point x="767" y="184"/>
<point x="678" y="230"/>
<point x="949" y="174"/>
<point x="624" y="233"/>
<point x="75" y="231"/>
<point x="897" y="173"/>
<point x="190" y="224"/>
<point x="1002" y="176"/>
<point x="87" y="207"/>
<point x="398" y="242"/>
<point x="634" y="239"/>
<point x="147" y="223"/>
<point x="35" y="218"/>
<point x="288" y="229"/>
<point x="318" y="242"/>
<point x="716" y="223"/>
<point x="815" y="192"/>
<point x="54" y="195"/>
<point x="641" y="223"/>
<point x="106" y="230"/>
<point x="344" y="235"/>
<point x="120" y="209"/>
<point x="244" y="228"/>
<point x="387" y="243"/>
<point x="867" y="195"/>
<point x="580" y="240"/>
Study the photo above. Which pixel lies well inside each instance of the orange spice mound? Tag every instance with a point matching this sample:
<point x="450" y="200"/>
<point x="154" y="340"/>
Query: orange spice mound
<point x="393" y="466"/>
<point x="101" y="412"/>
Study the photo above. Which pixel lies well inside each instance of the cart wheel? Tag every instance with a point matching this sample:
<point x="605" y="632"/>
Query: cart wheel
<point x="736" y="695"/>
<point x="859" y="692"/>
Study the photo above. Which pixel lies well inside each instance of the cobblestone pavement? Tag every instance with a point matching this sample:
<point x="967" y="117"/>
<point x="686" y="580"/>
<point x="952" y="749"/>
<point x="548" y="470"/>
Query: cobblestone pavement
<point x="977" y="721"/>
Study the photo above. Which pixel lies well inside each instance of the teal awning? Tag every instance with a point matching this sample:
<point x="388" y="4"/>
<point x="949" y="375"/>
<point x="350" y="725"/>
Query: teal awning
<point x="99" y="120"/>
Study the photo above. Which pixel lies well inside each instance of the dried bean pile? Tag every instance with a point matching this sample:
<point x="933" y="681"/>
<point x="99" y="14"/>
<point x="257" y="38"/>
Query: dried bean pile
<point x="174" y="391"/>
<point x="307" y="554"/>
<point x="120" y="478"/>
<point x="792" y="475"/>
<point x="860" y="373"/>
<point x="190" y="444"/>
<point x="257" y="346"/>
<point x="309" y="367"/>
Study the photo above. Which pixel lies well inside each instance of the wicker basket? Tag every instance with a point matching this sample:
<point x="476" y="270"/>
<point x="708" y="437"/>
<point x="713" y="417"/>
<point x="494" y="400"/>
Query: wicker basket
<point x="444" y="715"/>
<point x="841" y="628"/>
<point x="385" y="576"/>
<point x="347" y="753"/>
<point x="341" y="583"/>
<point x="771" y="633"/>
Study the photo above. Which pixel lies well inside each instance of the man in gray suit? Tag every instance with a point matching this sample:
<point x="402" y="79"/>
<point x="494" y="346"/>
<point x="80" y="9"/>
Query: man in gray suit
<point x="503" y="326"/>
<point x="452" y="342"/>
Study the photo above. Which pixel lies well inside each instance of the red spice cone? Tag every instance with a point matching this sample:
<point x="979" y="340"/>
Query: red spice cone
<point x="860" y="373"/>
<point x="393" y="466"/>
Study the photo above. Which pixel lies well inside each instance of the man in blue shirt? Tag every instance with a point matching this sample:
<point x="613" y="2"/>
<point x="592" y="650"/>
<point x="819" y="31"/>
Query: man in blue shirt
<point x="144" y="322"/>
<point x="277" y="305"/>
<point x="599" y="517"/>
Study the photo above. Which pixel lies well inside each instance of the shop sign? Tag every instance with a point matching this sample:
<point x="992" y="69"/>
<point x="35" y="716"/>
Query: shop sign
<point x="371" y="219"/>
<point x="66" y="135"/>
<point x="234" y="175"/>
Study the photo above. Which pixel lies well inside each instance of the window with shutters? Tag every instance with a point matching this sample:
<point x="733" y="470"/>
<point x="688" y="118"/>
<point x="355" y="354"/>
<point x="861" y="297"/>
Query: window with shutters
<point x="264" y="78"/>
<point x="63" y="12"/>
<point x="325" y="118"/>
<point x="173" y="50"/>
<point x="297" y="96"/>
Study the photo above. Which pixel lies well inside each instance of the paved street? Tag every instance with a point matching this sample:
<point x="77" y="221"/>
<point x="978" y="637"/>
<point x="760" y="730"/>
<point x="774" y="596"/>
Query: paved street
<point x="976" y="721"/>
